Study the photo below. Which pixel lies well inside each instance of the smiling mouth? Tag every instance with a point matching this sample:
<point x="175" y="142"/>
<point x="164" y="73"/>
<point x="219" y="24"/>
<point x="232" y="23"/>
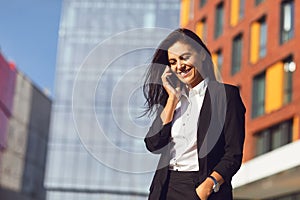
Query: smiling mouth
<point x="184" y="72"/>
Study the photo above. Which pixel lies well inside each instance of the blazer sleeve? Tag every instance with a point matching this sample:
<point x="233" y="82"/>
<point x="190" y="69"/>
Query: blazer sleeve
<point x="234" y="135"/>
<point x="158" y="136"/>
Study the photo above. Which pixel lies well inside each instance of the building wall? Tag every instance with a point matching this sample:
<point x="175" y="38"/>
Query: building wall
<point x="249" y="26"/>
<point x="244" y="78"/>
<point x="81" y="163"/>
<point x="36" y="150"/>
<point x="14" y="156"/>
<point x="7" y="84"/>
<point x="22" y="163"/>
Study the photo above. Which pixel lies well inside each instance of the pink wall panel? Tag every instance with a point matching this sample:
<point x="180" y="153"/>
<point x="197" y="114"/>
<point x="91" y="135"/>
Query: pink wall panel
<point x="7" y="88"/>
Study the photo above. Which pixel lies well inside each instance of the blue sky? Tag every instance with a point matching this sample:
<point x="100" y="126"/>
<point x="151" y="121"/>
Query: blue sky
<point x="28" y="36"/>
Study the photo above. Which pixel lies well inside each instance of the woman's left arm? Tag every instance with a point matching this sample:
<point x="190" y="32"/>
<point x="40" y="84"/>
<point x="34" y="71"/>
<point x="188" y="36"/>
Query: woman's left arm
<point x="234" y="135"/>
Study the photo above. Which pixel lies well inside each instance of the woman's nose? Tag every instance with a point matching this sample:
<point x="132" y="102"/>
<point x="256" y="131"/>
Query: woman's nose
<point x="180" y="65"/>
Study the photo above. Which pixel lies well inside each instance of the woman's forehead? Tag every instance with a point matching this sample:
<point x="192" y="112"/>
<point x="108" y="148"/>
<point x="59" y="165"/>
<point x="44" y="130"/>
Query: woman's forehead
<point x="179" y="47"/>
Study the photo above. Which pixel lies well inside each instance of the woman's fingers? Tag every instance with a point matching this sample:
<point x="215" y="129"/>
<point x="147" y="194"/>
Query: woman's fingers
<point x="167" y="73"/>
<point x="172" y="88"/>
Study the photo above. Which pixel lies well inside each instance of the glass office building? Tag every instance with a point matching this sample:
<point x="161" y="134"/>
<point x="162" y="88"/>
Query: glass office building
<point x="96" y="148"/>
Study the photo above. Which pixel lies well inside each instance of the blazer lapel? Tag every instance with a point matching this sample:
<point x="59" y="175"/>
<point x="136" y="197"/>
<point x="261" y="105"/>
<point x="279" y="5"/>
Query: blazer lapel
<point x="204" y="119"/>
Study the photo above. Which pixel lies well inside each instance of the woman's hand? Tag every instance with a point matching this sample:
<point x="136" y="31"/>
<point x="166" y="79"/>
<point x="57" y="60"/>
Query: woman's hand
<point x="174" y="96"/>
<point x="174" y="93"/>
<point x="205" y="189"/>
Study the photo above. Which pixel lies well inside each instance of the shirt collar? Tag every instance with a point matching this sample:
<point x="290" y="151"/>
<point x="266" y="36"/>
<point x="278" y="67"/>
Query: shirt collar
<point x="200" y="88"/>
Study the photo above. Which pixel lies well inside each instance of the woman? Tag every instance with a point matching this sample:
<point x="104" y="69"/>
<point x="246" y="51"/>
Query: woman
<point x="199" y="128"/>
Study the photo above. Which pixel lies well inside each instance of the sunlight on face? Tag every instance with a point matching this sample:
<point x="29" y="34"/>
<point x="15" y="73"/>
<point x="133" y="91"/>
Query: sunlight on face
<point x="185" y="62"/>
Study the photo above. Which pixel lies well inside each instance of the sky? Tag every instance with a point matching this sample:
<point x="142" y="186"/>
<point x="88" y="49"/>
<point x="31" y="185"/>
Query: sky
<point x="28" y="37"/>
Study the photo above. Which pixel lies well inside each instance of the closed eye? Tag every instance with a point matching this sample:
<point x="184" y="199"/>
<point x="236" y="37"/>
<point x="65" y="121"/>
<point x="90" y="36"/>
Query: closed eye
<point x="172" y="62"/>
<point x="185" y="56"/>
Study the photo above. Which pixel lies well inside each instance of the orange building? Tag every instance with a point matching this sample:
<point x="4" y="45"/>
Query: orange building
<point x="254" y="44"/>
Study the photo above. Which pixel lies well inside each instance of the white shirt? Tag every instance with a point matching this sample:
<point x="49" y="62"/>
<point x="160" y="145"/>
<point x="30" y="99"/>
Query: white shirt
<point x="184" y="156"/>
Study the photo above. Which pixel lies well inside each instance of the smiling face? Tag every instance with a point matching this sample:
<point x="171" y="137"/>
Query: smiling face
<point x="184" y="61"/>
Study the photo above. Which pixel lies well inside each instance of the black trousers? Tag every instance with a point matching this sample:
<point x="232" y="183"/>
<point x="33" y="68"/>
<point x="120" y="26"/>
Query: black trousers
<point x="180" y="185"/>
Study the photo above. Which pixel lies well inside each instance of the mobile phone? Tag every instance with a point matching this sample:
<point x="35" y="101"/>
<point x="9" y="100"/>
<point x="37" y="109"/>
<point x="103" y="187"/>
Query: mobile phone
<point x="172" y="80"/>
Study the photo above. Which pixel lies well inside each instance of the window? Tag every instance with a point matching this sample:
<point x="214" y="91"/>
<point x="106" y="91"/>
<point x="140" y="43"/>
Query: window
<point x="202" y="3"/>
<point x="237" y="11"/>
<point x="258" y="95"/>
<point x="185" y="12"/>
<point x="274" y="137"/>
<point x="236" y="54"/>
<point x="219" y="20"/>
<point x="258" y="40"/>
<point x="217" y="58"/>
<point x="263" y="142"/>
<point x="289" y="67"/>
<point x="257" y="2"/>
<point x="191" y="13"/>
<point x="241" y="9"/>
<point x="279" y="83"/>
<point x="273" y="88"/>
<point x="263" y="38"/>
<point x="287" y="21"/>
<point x="201" y="29"/>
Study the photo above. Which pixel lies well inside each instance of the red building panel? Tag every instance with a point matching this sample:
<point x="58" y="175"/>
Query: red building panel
<point x="275" y="52"/>
<point x="7" y="88"/>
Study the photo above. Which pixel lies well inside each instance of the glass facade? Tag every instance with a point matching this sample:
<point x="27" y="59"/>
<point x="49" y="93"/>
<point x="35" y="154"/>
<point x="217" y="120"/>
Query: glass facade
<point x="96" y="148"/>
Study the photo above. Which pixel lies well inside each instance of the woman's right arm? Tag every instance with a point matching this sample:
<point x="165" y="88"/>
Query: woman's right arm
<point x="159" y="133"/>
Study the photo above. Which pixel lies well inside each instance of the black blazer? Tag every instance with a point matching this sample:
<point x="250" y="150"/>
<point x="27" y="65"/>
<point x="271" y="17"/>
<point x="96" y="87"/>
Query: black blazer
<point x="220" y="139"/>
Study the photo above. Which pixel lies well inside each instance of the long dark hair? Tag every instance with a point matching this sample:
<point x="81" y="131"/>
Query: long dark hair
<point x="153" y="89"/>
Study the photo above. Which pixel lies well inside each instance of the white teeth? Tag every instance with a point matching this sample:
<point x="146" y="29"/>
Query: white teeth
<point x="185" y="72"/>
